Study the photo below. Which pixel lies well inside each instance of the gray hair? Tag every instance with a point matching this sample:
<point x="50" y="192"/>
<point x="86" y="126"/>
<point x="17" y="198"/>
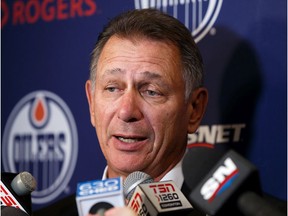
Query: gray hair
<point x="154" y="25"/>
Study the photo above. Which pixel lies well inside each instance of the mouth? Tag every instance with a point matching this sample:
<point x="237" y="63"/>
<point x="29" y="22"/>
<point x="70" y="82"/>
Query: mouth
<point x="129" y="142"/>
<point x="130" y="139"/>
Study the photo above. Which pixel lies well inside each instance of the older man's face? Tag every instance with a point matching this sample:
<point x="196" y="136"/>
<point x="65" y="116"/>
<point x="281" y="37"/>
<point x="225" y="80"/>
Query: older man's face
<point x="138" y="107"/>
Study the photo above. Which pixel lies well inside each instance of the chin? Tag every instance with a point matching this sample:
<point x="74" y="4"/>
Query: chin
<point x="129" y="168"/>
<point x="129" y="162"/>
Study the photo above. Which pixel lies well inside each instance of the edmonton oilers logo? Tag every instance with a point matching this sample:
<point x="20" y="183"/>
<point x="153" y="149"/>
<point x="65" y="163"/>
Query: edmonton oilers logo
<point x="197" y="15"/>
<point x="41" y="137"/>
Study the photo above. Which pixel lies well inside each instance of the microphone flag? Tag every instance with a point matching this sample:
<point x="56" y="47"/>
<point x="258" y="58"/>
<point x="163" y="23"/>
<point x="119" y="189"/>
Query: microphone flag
<point x="8" y="199"/>
<point x="158" y="198"/>
<point x="96" y="195"/>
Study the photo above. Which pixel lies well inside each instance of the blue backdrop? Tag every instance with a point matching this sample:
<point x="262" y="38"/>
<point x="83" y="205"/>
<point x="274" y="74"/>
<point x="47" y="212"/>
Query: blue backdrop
<point x="46" y="46"/>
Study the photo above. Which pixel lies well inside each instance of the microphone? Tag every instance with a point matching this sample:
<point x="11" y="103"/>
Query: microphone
<point x="15" y="190"/>
<point x="226" y="184"/>
<point x="133" y="180"/>
<point x="97" y="196"/>
<point x="154" y="198"/>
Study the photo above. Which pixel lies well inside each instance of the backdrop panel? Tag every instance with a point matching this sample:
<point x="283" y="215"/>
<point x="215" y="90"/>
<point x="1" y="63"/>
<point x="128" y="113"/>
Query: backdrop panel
<point x="46" y="46"/>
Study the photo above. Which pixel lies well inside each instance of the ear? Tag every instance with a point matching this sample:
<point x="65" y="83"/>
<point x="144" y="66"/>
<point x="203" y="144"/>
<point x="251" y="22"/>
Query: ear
<point x="90" y="98"/>
<point x="198" y="103"/>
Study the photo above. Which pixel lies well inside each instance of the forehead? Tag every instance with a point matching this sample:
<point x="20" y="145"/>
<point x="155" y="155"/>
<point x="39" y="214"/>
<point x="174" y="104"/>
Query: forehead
<point x="136" y="43"/>
<point x="140" y="53"/>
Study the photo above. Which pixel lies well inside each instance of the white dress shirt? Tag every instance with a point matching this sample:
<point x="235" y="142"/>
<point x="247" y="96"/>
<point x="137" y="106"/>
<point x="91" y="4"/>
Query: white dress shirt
<point x="175" y="174"/>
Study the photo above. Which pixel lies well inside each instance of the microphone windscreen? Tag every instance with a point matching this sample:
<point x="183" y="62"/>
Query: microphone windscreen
<point x="197" y="162"/>
<point x="100" y="206"/>
<point x="133" y="180"/>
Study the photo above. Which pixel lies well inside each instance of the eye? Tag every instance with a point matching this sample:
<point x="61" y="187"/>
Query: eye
<point x="150" y="90"/>
<point x="152" y="93"/>
<point x="112" y="89"/>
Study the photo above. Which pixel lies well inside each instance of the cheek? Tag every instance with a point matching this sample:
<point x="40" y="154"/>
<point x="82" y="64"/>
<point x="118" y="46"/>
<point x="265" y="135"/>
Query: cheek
<point x="162" y="124"/>
<point x="102" y="109"/>
<point x="102" y="117"/>
<point x="170" y="123"/>
<point x="168" y="117"/>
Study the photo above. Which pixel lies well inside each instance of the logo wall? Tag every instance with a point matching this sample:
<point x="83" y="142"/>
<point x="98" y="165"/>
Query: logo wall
<point x="197" y="15"/>
<point x="41" y="137"/>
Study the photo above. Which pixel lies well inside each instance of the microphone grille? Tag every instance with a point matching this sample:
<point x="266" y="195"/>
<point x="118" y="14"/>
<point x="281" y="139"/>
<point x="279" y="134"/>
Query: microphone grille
<point x="24" y="183"/>
<point x="133" y="180"/>
<point x="28" y="180"/>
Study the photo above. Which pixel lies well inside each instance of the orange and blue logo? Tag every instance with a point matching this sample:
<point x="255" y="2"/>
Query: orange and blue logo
<point x="41" y="137"/>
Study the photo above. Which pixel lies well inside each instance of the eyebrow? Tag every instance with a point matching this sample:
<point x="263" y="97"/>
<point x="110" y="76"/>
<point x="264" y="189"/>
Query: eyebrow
<point x="113" y="71"/>
<point x="151" y="75"/>
<point x="116" y="71"/>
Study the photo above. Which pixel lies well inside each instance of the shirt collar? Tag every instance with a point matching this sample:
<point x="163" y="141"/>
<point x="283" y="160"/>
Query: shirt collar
<point x="175" y="174"/>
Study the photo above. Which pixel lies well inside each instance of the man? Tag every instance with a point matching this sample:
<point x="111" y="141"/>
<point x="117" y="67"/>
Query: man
<point x="145" y="93"/>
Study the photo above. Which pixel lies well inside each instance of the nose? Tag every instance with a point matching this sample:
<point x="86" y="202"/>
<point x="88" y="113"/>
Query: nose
<point x="130" y="107"/>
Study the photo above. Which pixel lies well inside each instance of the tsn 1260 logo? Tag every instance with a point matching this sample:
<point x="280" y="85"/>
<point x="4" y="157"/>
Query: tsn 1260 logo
<point x="160" y="196"/>
<point x="164" y="192"/>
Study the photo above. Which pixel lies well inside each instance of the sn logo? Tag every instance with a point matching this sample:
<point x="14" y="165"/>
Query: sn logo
<point x="218" y="179"/>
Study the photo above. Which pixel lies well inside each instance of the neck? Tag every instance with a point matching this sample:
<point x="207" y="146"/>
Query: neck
<point x="155" y="173"/>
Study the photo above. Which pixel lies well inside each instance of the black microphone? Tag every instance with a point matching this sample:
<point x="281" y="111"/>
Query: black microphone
<point x="100" y="208"/>
<point x="12" y="211"/>
<point x="16" y="192"/>
<point x="147" y="197"/>
<point x="224" y="183"/>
